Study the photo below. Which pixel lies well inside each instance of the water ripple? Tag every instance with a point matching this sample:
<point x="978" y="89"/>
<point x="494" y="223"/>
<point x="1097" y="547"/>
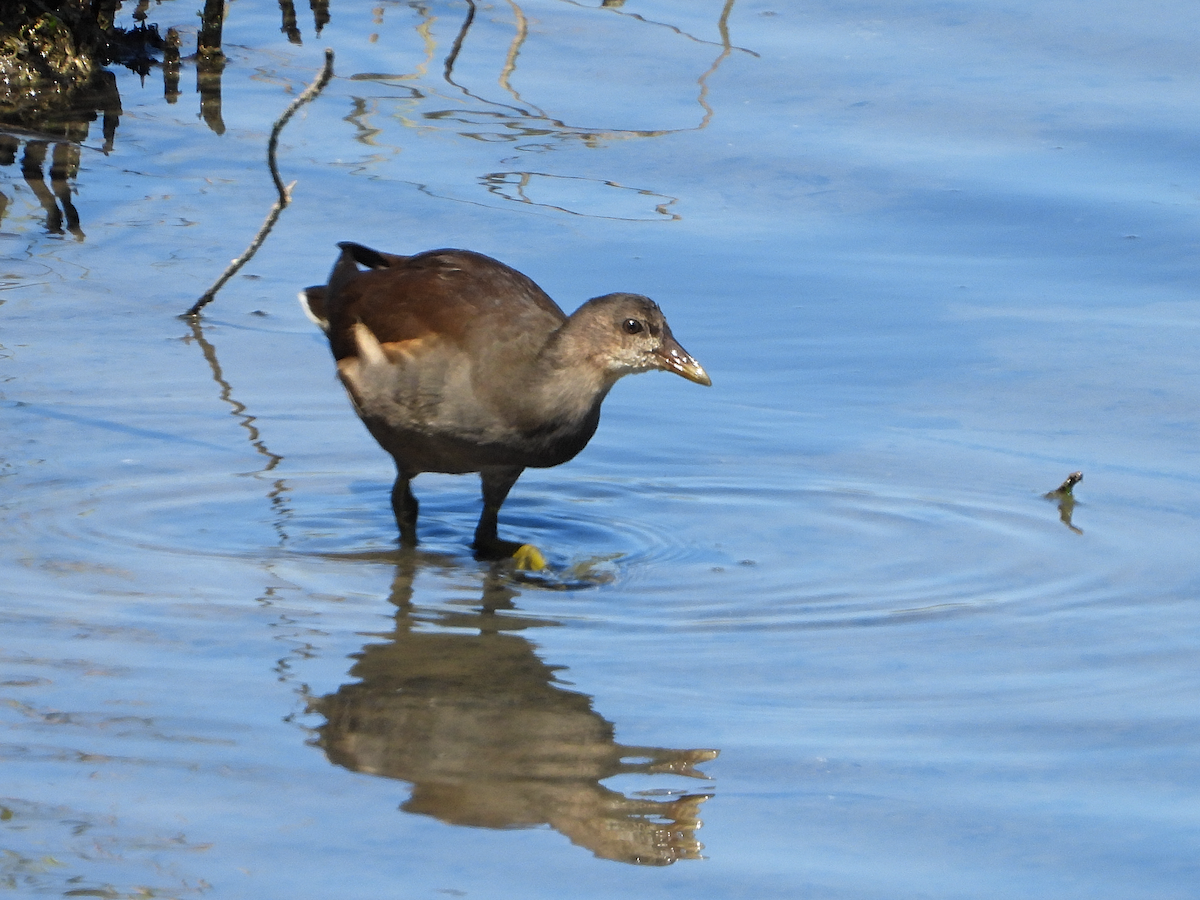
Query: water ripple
<point x="818" y="556"/>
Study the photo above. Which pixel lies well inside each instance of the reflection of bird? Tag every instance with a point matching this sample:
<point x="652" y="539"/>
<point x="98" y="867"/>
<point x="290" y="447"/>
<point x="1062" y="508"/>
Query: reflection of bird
<point x="488" y="739"/>
<point x="458" y="363"/>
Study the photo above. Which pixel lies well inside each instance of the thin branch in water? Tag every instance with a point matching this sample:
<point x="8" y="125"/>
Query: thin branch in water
<point x="285" y="191"/>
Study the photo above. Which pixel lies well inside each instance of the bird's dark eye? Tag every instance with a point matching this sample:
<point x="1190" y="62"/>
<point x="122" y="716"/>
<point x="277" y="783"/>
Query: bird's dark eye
<point x="632" y="326"/>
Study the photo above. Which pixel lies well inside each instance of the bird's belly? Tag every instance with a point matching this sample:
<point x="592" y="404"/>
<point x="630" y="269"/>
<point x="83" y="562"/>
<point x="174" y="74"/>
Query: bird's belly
<point x="432" y="418"/>
<point x="454" y="449"/>
<point x="426" y="434"/>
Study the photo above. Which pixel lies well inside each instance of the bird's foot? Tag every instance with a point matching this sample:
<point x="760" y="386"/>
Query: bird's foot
<point x="524" y="556"/>
<point x="529" y="558"/>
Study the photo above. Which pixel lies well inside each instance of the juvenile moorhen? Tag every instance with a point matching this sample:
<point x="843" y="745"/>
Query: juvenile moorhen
<point x="457" y="363"/>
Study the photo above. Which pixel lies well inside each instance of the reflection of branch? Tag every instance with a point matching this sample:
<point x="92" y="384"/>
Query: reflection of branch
<point x="284" y="191"/>
<point x="64" y="164"/>
<point x="209" y="69"/>
<point x="492" y="182"/>
<point x="532" y="111"/>
<point x="211" y="21"/>
<point x="287" y="9"/>
<point x="31" y="168"/>
<point x="723" y="26"/>
<point x="452" y="57"/>
<point x="496" y="182"/>
<point x="675" y="28"/>
<point x="170" y="66"/>
<point x="279" y="488"/>
<point x="448" y="69"/>
<point x="514" y="49"/>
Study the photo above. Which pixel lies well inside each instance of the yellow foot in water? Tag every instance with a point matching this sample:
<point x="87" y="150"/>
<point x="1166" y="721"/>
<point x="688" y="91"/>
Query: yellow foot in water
<point x="529" y="558"/>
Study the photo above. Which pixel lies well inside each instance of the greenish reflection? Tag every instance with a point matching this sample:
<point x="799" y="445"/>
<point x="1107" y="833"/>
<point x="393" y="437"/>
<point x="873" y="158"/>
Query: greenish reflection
<point x="459" y="704"/>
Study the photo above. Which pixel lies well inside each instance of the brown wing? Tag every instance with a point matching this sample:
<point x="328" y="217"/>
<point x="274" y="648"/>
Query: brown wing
<point x="463" y="298"/>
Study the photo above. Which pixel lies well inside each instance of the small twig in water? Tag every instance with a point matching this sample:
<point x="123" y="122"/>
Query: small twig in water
<point x="285" y="191"/>
<point x="1065" y="489"/>
<point x="1066" y="499"/>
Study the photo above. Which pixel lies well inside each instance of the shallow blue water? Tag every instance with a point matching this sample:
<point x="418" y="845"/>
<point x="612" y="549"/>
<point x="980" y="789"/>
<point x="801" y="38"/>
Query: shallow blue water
<point x="935" y="258"/>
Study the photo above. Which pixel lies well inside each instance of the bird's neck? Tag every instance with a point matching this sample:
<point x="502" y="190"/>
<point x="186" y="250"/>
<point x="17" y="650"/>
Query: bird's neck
<point x="570" y="378"/>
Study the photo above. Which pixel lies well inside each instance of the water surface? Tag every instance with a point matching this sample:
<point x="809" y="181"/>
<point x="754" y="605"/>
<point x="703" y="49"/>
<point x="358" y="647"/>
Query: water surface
<point x="814" y="632"/>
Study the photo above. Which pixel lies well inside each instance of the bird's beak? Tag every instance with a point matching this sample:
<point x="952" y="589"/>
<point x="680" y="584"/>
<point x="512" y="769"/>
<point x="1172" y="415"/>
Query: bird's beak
<point x="673" y="358"/>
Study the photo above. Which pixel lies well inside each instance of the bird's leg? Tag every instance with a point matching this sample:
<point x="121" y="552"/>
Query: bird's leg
<point x="496" y="485"/>
<point x="405" y="506"/>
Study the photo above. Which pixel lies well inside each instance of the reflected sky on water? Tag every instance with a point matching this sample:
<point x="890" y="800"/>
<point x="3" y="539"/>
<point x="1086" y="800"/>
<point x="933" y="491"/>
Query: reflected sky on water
<point x="818" y="631"/>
